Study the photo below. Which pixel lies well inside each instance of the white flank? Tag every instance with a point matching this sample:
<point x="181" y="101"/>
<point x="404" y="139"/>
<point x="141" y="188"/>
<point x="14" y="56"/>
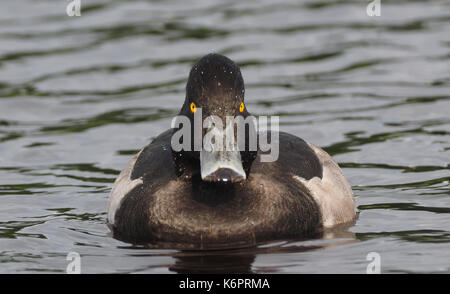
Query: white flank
<point x="122" y="186"/>
<point x="332" y="193"/>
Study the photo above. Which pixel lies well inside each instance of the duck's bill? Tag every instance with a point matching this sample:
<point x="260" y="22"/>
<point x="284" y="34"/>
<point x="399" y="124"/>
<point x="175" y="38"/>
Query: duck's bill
<point x="221" y="166"/>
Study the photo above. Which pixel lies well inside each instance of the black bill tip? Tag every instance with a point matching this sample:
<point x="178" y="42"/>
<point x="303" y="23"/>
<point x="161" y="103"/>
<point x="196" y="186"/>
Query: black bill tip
<point x="224" y="175"/>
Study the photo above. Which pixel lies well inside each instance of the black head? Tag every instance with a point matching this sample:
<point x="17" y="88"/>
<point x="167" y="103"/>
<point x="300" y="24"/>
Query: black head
<point x="216" y="85"/>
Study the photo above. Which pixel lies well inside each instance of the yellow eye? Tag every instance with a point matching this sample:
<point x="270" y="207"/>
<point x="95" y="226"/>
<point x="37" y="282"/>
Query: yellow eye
<point x="241" y="108"/>
<point x="193" y="107"/>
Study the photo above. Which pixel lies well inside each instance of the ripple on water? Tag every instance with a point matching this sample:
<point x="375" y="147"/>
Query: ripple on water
<point x="80" y="96"/>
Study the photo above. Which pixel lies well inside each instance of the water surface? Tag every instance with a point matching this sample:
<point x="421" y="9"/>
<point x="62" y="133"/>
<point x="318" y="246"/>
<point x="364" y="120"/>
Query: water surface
<point x="79" y="96"/>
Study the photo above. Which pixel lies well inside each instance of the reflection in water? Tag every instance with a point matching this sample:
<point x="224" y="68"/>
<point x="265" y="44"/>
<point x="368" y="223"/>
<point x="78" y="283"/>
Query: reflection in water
<point x="78" y="96"/>
<point x="213" y="263"/>
<point x="241" y="260"/>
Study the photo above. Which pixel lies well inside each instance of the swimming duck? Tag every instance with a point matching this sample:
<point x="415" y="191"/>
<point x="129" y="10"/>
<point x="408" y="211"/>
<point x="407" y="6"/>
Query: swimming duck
<point x="210" y="199"/>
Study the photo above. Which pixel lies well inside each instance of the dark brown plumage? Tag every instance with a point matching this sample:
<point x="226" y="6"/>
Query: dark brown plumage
<point x="174" y="208"/>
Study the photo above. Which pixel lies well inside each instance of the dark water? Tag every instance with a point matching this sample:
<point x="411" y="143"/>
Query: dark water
<point x="79" y="96"/>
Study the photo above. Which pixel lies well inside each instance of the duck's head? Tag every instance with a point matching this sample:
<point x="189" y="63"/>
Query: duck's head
<point x="215" y="89"/>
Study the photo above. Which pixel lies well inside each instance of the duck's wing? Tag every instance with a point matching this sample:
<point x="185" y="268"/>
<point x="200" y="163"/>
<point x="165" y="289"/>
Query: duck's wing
<point x="332" y="192"/>
<point x="122" y="186"/>
<point x="291" y="155"/>
<point x="314" y="169"/>
<point x="155" y="158"/>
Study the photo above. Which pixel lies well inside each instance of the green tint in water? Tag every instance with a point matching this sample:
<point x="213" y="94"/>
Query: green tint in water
<point x="80" y="96"/>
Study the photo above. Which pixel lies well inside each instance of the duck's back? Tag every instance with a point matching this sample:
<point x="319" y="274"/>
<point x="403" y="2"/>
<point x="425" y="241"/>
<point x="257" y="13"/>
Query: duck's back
<point x="156" y="201"/>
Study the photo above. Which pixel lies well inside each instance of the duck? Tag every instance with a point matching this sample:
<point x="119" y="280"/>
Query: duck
<point x="207" y="199"/>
